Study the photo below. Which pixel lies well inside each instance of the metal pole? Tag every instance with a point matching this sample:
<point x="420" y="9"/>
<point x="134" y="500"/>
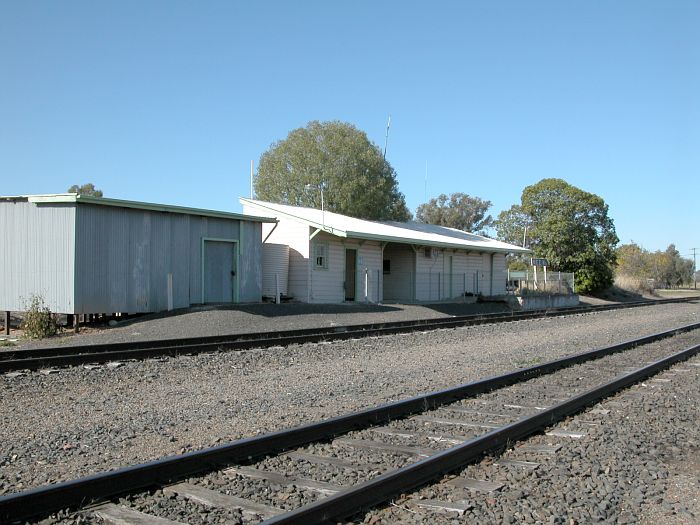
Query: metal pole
<point x="366" y="285"/>
<point x="277" y="288"/>
<point x="323" y="211"/>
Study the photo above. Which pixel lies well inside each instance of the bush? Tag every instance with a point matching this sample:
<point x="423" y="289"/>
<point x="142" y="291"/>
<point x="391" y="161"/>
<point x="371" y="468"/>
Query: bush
<point x="38" y="321"/>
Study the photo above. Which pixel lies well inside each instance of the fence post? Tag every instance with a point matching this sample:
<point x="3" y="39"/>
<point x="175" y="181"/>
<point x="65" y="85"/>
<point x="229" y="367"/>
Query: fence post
<point x="7" y="323"/>
<point x="277" y="288"/>
<point x="560" y="282"/>
<point x="366" y="285"/>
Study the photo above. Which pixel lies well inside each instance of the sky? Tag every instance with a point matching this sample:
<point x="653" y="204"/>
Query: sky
<point x="169" y="101"/>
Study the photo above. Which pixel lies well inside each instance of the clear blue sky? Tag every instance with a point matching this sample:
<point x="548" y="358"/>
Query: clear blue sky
<point x="169" y="101"/>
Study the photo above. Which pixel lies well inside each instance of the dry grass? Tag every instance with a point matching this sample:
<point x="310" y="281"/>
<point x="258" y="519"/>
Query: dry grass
<point x="633" y="285"/>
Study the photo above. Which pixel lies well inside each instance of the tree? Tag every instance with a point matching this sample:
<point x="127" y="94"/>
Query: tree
<point x="666" y="268"/>
<point x="357" y="180"/>
<point x="459" y="210"/>
<point x="633" y="261"/>
<point x="88" y="190"/>
<point x="567" y="226"/>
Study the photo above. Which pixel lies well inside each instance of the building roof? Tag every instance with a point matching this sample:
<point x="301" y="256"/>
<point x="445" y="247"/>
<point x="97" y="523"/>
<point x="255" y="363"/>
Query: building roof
<point x="387" y="231"/>
<point x="103" y="201"/>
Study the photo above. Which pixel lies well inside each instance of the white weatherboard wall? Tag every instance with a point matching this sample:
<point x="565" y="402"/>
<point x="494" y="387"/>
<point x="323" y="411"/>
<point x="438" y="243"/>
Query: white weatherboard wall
<point x="37" y="255"/>
<point x="399" y="281"/>
<point x="328" y="284"/>
<point x="500" y="274"/>
<point x="429" y="275"/>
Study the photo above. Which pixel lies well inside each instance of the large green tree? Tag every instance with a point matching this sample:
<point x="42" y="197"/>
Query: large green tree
<point x="357" y="180"/>
<point x="86" y="189"/>
<point x="459" y="210"/>
<point x="567" y="226"/>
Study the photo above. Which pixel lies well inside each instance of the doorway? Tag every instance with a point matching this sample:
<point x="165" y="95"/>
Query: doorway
<point x="219" y="270"/>
<point x="350" y="274"/>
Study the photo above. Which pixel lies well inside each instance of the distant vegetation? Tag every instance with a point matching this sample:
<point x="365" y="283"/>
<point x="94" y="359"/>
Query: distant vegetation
<point x="640" y="269"/>
<point x="459" y="210"/>
<point x="88" y="190"/>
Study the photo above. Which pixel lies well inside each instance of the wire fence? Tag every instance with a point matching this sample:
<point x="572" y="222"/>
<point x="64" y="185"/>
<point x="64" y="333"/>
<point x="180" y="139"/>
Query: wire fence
<point x="525" y="281"/>
<point x="413" y="287"/>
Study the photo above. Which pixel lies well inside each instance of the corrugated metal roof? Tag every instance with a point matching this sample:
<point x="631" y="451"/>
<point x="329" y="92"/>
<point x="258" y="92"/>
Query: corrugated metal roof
<point x="103" y="201"/>
<point x="402" y="232"/>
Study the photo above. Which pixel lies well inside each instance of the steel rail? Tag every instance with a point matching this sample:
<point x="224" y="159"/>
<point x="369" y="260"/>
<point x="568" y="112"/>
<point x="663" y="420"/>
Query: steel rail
<point x="11" y="360"/>
<point x="386" y="486"/>
<point x="50" y="498"/>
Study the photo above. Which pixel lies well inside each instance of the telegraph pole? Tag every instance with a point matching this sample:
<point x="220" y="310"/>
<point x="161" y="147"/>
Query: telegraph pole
<point x="695" y="270"/>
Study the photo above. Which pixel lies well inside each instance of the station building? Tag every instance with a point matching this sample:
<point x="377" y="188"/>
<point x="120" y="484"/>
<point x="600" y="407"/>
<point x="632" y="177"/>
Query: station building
<point x="89" y="255"/>
<point x="317" y="256"/>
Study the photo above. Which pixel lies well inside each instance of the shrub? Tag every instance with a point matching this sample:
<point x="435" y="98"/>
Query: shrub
<point x="39" y="322"/>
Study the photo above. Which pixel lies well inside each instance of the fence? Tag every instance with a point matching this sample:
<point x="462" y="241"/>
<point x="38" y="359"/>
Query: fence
<point x="436" y="286"/>
<point x="524" y="281"/>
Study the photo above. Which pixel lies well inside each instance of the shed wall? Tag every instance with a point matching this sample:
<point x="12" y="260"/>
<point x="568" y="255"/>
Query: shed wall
<point x="124" y="256"/>
<point x="37" y="255"/>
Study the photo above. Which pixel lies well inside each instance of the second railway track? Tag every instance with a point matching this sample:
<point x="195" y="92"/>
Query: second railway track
<point x="33" y="359"/>
<point x="333" y="469"/>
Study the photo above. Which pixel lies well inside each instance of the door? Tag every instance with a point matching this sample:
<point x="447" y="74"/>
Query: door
<point x="350" y="274"/>
<point x="219" y="271"/>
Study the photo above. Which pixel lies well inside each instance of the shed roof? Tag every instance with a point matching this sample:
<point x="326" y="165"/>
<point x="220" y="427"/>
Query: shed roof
<point x="103" y="201"/>
<point x="387" y="231"/>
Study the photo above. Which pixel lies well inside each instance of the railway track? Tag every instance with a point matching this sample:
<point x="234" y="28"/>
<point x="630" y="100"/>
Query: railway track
<point x="33" y="359"/>
<point x="331" y="470"/>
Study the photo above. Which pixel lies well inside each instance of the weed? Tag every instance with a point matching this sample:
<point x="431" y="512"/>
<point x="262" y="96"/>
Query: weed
<point x="39" y="322"/>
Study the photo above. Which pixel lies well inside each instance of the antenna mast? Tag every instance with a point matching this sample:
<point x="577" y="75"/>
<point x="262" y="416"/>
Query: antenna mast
<point x="386" y="138"/>
<point x="251" y="178"/>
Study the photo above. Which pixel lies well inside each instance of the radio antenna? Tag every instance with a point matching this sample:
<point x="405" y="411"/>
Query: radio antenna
<point x="386" y="138"/>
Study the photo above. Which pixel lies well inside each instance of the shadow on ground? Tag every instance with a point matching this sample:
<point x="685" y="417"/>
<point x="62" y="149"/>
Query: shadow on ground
<point x="468" y="309"/>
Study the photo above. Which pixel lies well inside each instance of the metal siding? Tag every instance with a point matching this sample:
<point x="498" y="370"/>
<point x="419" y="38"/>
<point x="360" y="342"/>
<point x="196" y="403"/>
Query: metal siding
<point x="275" y="269"/>
<point x="218" y="264"/>
<point x="124" y="256"/>
<point x="250" y="267"/>
<point x="37" y="255"/>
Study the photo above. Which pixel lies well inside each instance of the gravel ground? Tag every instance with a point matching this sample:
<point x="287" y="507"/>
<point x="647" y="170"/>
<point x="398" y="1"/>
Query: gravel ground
<point x="78" y="421"/>
<point x="636" y="464"/>
<point x="223" y="320"/>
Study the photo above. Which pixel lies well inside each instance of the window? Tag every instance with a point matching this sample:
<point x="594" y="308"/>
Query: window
<point x="428" y="252"/>
<point x="387" y="266"/>
<point x="321" y="255"/>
